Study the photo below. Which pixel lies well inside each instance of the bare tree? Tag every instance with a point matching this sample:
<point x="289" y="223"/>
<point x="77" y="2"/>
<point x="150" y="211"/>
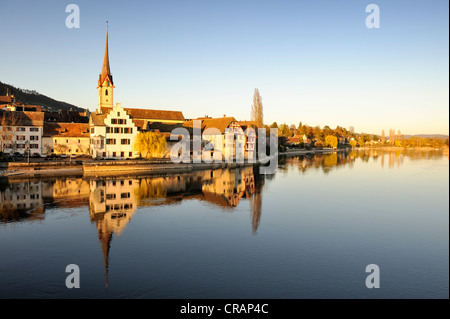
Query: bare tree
<point x="61" y="148"/>
<point x="257" y="109"/>
<point x="48" y="149"/>
<point x="82" y="149"/>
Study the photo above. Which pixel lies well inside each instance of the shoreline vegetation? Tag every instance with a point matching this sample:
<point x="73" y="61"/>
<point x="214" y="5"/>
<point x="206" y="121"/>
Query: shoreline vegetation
<point x="157" y="166"/>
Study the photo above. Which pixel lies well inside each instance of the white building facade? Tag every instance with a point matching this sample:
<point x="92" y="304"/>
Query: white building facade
<point x="22" y="132"/>
<point x="112" y="135"/>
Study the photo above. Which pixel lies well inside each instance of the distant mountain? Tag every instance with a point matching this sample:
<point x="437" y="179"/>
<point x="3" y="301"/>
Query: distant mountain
<point x="29" y="97"/>
<point x="443" y="136"/>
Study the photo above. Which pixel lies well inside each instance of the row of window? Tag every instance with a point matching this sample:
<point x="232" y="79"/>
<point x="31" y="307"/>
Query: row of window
<point x="23" y="138"/>
<point x="36" y="138"/>
<point x="118" y="207"/>
<point x="67" y="141"/>
<point x="112" y="141"/>
<point x="114" y="154"/>
<point x="122" y="195"/>
<point x="114" y="183"/>
<point x="122" y="130"/>
<point x="70" y="151"/>
<point x="119" y="121"/>
<point x="23" y="197"/>
<point x="25" y="187"/>
<point x="23" y="129"/>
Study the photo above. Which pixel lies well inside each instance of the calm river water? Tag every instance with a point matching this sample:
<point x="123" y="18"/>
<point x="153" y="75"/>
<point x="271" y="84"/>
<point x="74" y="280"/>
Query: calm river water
<point x="308" y="231"/>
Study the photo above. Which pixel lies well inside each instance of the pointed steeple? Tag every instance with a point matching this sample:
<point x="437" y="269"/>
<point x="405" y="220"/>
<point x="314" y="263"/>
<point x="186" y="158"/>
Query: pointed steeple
<point x="106" y="71"/>
<point x="105" y="237"/>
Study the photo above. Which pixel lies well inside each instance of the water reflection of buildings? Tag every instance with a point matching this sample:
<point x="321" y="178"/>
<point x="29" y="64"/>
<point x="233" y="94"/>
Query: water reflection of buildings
<point x="394" y="158"/>
<point x="327" y="162"/>
<point x="116" y="199"/>
<point x="226" y="188"/>
<point x="70" y="192"/>
<point x="113" y="201"/>
<point x="22" y="201"/>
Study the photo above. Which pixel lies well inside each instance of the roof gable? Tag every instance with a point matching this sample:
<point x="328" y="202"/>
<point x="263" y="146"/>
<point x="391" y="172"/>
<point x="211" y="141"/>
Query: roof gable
<point x="97" y="119"/>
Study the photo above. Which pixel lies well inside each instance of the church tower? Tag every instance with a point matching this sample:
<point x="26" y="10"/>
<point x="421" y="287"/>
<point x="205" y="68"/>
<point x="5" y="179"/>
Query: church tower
<point x="105" y="82"/>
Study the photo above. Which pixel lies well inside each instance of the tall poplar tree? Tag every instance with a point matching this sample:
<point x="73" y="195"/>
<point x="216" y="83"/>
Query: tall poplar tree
<point x="257" y="109"/>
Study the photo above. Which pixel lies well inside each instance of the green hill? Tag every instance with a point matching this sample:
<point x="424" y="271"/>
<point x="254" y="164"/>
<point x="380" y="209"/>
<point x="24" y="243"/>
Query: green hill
<point x="29" y="97"/>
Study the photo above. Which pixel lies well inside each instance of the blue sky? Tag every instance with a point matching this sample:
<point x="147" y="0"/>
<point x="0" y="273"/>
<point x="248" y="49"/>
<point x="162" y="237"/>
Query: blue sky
<point x="312" y="61"/>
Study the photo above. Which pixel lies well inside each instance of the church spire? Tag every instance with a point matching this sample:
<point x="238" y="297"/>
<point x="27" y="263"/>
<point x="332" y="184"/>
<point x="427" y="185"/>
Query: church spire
<point x="106" y="71"/>
<point x="105" y="82"/>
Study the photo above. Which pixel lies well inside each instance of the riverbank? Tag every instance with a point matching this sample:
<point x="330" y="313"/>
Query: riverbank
<point x="40" y="169"/>
<point x="105" y="168"/>
<point x="313" y="152"/>
<point x="118" y="167"/>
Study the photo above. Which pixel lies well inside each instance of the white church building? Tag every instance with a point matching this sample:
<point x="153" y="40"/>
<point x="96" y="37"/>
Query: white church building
<point x="113" y="129"/>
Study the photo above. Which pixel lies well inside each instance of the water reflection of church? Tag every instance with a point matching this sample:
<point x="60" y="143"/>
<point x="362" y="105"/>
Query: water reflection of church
<point x="113" y="201"/>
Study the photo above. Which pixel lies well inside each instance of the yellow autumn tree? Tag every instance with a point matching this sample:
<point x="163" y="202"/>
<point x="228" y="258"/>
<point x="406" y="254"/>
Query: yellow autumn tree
<point x="150" y="144"/>
<point x="331" y="141"/>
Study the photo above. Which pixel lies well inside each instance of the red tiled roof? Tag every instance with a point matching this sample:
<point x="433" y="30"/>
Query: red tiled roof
<point x="98" y="119"/>
<point x="37" y="118"/>
<point x="141" y="124"/>
<point x="23" y="118"/>
<point x="294" y="139"/>
<point x="66" y="129"/>
<point x="5" y="99"/>
<point x="151" y="115"/>
<point x="220" y="123"/>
